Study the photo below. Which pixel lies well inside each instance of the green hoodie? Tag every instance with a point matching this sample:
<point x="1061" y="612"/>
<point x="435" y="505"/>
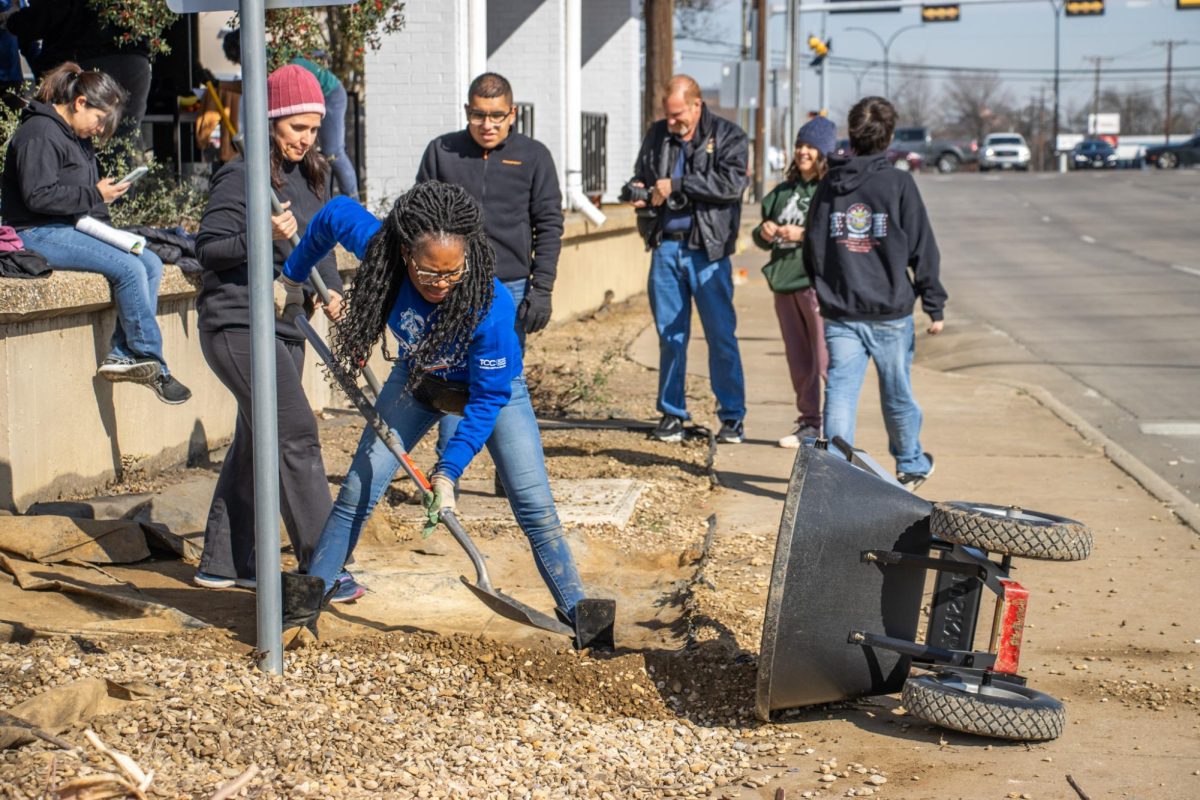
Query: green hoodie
<point x="787" y="204"/>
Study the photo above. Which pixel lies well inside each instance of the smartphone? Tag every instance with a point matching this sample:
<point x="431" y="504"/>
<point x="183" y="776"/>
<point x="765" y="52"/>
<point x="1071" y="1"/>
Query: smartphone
<point x="135" y="175"/>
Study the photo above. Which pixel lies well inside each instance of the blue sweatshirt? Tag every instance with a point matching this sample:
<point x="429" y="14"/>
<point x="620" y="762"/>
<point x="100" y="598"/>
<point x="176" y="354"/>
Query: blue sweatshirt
<point x="493" y="356"/>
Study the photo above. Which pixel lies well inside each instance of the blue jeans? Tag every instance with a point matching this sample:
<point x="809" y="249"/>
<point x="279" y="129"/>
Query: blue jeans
<point x="332" y="136"/>
<point x="516" y="448"/>
<point x="891" y="344"/>
<point x="677" y="275"/>
<point x="134" y="280"/>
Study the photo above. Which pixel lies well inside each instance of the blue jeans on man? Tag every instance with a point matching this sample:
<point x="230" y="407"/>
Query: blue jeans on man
<point x="678" y="275"/>
<point x="332" y="136"/>
<point x="890" y="343"/>
<point x="516" y="448"/>
<point x="134" y="278"/>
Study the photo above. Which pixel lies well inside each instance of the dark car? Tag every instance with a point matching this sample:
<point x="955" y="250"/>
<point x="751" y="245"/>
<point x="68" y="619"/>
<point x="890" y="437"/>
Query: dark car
<point x="903" y="160"/>
<point x="1094" y="154"/>
<point x="1170" y="156"/>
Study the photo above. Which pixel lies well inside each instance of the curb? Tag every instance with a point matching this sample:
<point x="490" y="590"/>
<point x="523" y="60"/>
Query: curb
<point x="1176" y="502"/>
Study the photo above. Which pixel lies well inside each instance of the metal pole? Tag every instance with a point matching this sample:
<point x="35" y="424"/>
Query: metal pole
<point x="824" y="69"/>
<point x="1058" y="6"/>
<point x="760" y="113"/>
<point x="789" y="57"/>
<point x="262" y="337"/>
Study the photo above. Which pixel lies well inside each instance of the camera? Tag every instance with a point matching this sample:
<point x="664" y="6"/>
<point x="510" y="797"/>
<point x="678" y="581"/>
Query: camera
<point x="630" y="193"/>
<point x="677" y="201"/>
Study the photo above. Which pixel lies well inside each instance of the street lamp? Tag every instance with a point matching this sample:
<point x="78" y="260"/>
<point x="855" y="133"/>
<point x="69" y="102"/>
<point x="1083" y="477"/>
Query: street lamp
<point x="887" y="48"/>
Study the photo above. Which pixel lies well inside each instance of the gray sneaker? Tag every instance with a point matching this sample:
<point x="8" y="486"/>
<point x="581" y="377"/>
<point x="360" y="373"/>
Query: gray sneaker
<point x="136" y="370"/>
<point x="169" y="390"/>
<point x="913" y="480"/>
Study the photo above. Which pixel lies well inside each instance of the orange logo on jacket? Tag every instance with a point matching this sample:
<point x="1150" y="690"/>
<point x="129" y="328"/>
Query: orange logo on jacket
<point x="510" y="161"/>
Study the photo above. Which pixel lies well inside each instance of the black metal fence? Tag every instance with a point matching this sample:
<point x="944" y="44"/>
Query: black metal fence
<point x="595" y="153"/>
<point x="524" y="121"/>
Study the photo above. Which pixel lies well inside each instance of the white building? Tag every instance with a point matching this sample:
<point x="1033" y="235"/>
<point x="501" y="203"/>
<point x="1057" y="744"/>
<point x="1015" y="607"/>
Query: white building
<point x="416" y="83"/>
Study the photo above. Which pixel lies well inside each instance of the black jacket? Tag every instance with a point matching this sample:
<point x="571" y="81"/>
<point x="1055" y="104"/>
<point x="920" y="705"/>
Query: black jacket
<point x="224" y="299"/>
<point x="50" y="174"/>
<point x="69" y="30"/>
<point x="517" y="185"/>
<point x="714" y="177"/>
<point x="867" y="228"/>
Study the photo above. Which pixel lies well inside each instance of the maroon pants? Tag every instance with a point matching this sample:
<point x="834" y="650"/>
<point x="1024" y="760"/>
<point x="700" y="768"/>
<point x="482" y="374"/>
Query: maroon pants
<point x="804" y="343"/>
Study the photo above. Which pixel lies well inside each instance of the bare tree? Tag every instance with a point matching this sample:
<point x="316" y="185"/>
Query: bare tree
<point x="976" y="103"/>
<point x="916" y="101"/>
<point x="694" y="18"/>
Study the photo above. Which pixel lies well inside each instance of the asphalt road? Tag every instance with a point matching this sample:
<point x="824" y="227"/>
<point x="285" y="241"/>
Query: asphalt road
<point x="1095" y="279"/>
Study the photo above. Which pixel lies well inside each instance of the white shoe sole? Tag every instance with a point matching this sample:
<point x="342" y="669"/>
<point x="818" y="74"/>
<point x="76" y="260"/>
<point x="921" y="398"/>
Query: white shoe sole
<point x="133" y="373"/>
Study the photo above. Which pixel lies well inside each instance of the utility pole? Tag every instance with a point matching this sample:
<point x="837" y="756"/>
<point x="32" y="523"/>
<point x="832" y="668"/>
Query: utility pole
<point x="1170" y="44"/>
<point x="1097" y="61"/>
<point x="1057" y="5"/>
<point x="760" y="113"/>
<point x="660" y="56"/>
<point x="789" y="57"/>
<point x="1041" y="129"/>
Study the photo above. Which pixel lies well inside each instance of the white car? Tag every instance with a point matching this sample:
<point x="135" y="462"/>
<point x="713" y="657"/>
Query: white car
<point x="1004" y="151"/>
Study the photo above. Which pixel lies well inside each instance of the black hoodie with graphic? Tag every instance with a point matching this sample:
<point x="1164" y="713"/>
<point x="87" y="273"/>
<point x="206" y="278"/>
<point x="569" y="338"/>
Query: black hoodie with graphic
<point x="867" y="228"/>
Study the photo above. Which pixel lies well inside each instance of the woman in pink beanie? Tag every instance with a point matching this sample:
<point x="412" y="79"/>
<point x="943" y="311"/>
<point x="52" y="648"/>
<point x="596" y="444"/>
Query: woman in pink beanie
<point x="300" y="177"/>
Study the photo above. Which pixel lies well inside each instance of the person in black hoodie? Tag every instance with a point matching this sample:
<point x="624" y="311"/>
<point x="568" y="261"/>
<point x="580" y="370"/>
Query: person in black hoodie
<point x="871" y="254"/>
<point x="300" y="176"/>
<point x="52" y="180"/>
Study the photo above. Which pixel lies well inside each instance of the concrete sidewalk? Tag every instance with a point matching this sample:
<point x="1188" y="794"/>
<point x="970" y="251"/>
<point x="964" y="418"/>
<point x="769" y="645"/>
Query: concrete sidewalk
<point x="1127" y="614"/>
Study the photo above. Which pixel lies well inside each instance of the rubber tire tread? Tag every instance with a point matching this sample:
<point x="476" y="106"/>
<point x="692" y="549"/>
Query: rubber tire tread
<point x="1063" y="540"/>
<point x="1041" y="719"/>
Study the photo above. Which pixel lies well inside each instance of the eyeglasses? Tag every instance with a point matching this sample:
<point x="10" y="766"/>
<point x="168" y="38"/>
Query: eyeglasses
<point x="477" y="117"/>
<point x="431" y="277"/>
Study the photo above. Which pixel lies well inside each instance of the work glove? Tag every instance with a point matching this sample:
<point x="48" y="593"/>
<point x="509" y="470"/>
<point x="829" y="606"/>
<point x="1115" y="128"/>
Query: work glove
<point x="535" y="309"/>
<point x="287" y="293"/>
<point x="440" y="498"/>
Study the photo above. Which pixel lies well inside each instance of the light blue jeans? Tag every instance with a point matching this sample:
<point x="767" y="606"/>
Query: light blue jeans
<point x="515" y="446"/>
<point x="134" y="281"/>
<point x="677" y="275"/>
<point x="332" y="136"/>
<point x="890" y="344"/>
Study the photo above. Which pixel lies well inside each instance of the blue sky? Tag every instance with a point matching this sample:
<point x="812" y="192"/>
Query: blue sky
<point x="1012" y="35"/>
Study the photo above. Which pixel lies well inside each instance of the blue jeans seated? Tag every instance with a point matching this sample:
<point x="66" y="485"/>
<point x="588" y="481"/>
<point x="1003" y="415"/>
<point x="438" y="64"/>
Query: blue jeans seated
<point x="678" y="275"/>
<point x="890" y="343"/>
<point x="515" y="446"/>
<point x="134" y="280"/>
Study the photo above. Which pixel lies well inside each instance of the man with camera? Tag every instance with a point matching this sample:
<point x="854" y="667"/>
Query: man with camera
<point x="687" y="187"/>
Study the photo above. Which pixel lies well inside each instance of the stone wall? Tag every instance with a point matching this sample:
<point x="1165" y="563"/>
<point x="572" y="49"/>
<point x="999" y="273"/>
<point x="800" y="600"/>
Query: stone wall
<point x="65" y="431"/>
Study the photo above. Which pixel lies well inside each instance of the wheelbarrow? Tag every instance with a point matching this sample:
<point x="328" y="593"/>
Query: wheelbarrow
<point x="844" y="605"/>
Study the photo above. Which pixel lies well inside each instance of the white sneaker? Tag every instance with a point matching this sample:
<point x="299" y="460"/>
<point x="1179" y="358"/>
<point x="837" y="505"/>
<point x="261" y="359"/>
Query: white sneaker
<point x="796" y="438"/>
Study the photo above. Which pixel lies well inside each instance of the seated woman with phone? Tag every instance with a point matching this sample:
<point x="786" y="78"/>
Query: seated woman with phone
<point x="52" y="180"/>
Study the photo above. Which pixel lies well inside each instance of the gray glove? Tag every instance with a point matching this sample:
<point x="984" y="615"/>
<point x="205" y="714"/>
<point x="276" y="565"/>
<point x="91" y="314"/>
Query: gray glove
<point x="287" y="293"/>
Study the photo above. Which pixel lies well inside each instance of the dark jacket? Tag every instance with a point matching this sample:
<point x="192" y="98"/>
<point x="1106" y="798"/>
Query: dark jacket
<point x="867" y="228"/>
<point x="517" y="185"/>
<point x="714" y="177"/>
<point x="50" y="174"/>
<point x="224" y="300"/>
<point x="69" y="30"/>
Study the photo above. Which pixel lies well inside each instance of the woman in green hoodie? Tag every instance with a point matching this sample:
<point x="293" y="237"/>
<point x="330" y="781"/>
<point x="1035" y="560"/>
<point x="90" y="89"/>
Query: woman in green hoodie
<point x="784" y="213"/>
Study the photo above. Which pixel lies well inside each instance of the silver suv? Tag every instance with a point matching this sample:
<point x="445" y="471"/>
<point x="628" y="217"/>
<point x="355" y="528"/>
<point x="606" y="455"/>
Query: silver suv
<point x="1004" y="151"/>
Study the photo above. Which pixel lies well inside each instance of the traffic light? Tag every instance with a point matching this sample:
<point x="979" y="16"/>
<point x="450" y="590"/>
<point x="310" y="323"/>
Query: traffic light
<point x="1084" y="8"/>
<point x="942" y="12"/>
<point x="819" y="48"/>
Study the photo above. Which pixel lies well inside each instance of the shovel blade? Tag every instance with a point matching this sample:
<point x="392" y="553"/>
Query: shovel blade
<point x="511" y="608"/>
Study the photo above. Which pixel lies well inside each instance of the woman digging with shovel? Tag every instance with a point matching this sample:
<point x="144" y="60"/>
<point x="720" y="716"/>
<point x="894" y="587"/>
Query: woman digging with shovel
<point x="427" y="273"/>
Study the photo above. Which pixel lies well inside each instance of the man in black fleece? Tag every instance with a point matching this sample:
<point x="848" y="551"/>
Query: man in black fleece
<point x="871" y="253"/>
<point x="513" y="177"/>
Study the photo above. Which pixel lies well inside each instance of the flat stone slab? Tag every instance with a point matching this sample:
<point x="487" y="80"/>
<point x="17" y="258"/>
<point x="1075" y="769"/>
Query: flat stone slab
<point x="595" y="501"/>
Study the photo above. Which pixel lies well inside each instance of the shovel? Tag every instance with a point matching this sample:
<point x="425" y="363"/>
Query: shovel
<point x="496" y="600"/>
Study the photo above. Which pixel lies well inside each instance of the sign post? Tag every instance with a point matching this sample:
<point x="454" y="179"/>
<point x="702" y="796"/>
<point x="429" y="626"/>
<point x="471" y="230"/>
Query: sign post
<point x="264" y="410"/>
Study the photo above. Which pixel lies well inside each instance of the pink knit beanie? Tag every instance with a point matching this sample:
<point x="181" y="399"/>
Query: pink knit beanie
<point x="292" y="90"/>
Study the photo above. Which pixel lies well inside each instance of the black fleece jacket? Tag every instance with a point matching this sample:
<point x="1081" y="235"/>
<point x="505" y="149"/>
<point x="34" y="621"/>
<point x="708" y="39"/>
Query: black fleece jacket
<point x="224" y="299"/>
<point x="69" y="30"/>
<point x="517" y="185"/>
<point x="867" y="228"/>
<point x="50" y="174"/>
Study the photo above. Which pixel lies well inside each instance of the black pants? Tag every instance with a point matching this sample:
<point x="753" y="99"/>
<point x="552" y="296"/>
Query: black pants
<point x="303" y="487"/>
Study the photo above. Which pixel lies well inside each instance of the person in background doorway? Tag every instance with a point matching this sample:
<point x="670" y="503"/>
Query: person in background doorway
<point x="785" y="215"/>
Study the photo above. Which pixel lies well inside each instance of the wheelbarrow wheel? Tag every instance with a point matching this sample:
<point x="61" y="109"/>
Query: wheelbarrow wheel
<point x="1002" y="710"/>
<point x="1007" y="530"/>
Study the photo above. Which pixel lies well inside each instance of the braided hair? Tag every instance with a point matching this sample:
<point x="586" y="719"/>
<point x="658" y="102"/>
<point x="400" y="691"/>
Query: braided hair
<point x="429" y="211"/>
